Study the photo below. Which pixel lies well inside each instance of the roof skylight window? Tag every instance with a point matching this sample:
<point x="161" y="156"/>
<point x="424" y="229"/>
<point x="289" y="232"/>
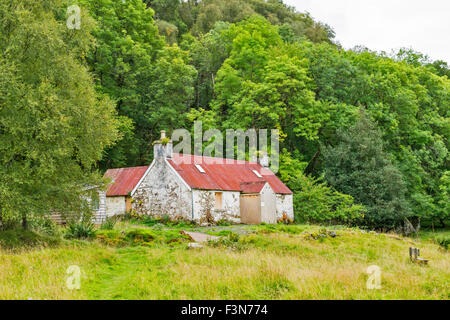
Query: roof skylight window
<point x="257" y="174"/>
<point x="199" y="168"/>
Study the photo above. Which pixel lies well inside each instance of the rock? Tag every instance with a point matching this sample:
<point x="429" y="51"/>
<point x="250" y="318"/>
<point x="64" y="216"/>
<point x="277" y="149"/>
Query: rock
<point x="332" y="234"/>
<point x="195" y="245"/>
<point x="198" y="236"/>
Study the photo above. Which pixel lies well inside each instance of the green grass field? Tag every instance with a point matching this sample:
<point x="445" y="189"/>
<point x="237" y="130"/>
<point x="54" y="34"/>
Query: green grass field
<point x="251" y="262"/>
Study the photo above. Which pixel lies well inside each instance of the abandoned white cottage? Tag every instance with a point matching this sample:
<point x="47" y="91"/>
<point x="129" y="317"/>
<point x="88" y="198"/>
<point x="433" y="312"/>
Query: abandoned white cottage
<point x="200" y="189"/>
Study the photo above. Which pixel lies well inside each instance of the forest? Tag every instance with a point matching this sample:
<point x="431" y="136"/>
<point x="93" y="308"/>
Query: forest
<point x="364" y="134"/>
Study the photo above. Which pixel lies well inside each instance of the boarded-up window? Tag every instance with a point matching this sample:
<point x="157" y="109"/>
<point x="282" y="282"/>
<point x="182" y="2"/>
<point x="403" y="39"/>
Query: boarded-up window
<point x="218" y="205"/>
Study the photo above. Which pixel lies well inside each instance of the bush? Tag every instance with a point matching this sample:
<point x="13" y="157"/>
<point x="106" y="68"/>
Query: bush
<point x="314" y="200"/>
<point x="140" y="235"/>
<point x="10" y="223"/>
<point x="144" y="237"/>
<point x="281" y="228"/>
<point x="111" y="237"/>
<point x="80" y="230"/>
<point x="109" y="224"/>
<point x="231" y="241"/>
<point x="163" y="221"/>
<point x="44" y="226"/>
<point x="19" y="238"/>
<point x="443" y="241"/>
<point x="359" y="166"/>
<point x="224" y="223"/>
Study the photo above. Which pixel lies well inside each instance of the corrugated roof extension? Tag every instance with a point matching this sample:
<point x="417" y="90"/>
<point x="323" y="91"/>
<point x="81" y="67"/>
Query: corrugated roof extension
<point x="225" y="174"/>
<point x="124" y="180"/>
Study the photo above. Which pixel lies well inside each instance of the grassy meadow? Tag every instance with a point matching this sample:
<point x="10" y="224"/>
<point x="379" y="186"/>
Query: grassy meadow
<point x="248" y="262"/>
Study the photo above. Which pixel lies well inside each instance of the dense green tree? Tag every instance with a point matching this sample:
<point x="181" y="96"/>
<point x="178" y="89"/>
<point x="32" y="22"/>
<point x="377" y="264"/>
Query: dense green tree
<point x="264" y="84"/>
<point x="359" y="166"/>
<point x="207" y="53"/>
<point x="232" y="64"/>
<point x="314" y="200"/>
<point x="152" y="83"/>
<point x="54" y="127"/>
<point x="199" y="17"/>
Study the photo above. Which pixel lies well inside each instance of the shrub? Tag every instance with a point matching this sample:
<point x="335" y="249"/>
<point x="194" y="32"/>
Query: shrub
<point x="224" y="223"/>
<point x="315" y="201"/>
<point x="149" y="221"/>
<point x="231" y="241"/>
<point x="160" y="222"/>
<point x="143" y="237"/>
<point x="44" y="226"/>
<point x="109" y="224"/>
<point x="165" y="219"/>
<point x="10" y="223"/>
<point x="80" y="230"/>
<point x="443" y="241"/>
<point x="281" y="228"/>
<point x="140" y="235"/>
<point x="19" y="238"/>
<point x="111" y="237"/>
<point x="359" y="166"/>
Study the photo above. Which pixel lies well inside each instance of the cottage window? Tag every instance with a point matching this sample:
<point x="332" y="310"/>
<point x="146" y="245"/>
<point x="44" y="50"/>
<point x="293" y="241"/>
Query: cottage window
<point x="257" y="174"/>
<point x="199" y="168"/>
<point x="218" y="204"/>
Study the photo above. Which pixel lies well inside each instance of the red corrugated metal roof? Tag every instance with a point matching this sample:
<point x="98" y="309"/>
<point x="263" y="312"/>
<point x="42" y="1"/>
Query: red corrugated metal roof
<point x="223" y="174"/>
<point x="252" y="187"/>
<point x="124" y="180"/>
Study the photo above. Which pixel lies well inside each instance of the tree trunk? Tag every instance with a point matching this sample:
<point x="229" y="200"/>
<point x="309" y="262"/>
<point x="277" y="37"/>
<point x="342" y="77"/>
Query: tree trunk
<point x="24" y="222"/>
<point x="1" y="218"/>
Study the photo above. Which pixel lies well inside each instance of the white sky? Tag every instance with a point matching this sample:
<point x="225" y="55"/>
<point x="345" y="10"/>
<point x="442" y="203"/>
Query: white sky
<point x="383" y="25"/>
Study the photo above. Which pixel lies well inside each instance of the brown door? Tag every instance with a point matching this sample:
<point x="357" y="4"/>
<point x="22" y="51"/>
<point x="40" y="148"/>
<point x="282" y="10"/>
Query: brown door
<point x="251" y="209"/>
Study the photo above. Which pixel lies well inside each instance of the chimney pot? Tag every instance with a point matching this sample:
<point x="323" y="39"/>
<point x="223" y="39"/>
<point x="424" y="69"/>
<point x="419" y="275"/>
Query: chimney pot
<point x="263" y="159"/>
<point x="161" y="150"/>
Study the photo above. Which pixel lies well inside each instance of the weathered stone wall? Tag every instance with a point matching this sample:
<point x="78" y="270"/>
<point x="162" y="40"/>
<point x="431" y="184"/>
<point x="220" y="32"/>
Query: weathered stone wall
<point x="285" y="205"/>
<point x="115" y="206"/>
<point x="204" y="207"/>
<point x="161" y="193"/>
<point x="268" y="205"/>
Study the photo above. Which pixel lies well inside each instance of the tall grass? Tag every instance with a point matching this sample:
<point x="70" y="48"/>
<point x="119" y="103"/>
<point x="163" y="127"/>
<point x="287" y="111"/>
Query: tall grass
<point x="279" y="264"/>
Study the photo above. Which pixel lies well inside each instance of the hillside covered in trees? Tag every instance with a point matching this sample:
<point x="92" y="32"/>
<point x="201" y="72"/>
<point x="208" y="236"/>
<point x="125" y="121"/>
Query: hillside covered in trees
<point x="365" y="134"/>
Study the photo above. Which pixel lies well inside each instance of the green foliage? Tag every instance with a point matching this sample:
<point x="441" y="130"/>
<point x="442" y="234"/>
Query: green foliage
<point x="359" y="166"/>
<point x="443" y="241"/>
<point x="44" y="226"/>
<point x="17" y="239"/>
<point x="54" y="127"/>
<point x="199" y="17"/>
<point x="230" y="241"/>
<point x="109" y="223"/>
<point x="80" y="230"/>
<point x="152" y="83"/>
<point x="232" y="64"/>
<point x="315" y="201"/>
<point x="113" y="238"/>
<point x="280" y="228"/>
<point x="140" y="237"/>
<point x="443" y="199"/>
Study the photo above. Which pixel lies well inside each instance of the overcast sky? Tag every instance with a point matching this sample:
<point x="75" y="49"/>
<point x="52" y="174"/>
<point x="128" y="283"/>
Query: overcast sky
<point x="383" y="25"/>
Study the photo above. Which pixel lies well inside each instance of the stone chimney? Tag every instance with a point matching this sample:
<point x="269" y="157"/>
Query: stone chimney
<point x="262" y="159"/>
<point x="163" y="147"/>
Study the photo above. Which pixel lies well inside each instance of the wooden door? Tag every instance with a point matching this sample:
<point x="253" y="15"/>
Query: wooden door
<point x="251" y="209"/>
